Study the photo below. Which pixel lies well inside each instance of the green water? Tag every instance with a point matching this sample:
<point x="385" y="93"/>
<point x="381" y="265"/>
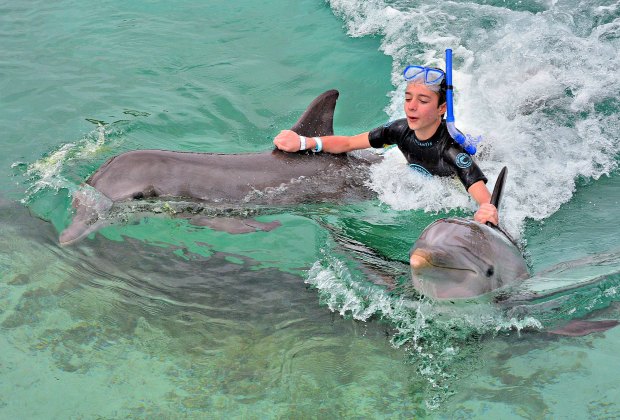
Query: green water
<point x="157" y="318"/>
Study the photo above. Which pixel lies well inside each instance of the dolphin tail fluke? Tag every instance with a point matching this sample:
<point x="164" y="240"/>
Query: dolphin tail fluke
<point x="318" y="119"/>
<point x="90" y="215"/>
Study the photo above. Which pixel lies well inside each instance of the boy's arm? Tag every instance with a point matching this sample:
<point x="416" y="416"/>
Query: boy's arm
<point x="289" y="141"/>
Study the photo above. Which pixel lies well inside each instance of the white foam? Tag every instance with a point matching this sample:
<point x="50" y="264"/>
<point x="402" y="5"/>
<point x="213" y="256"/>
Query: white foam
<point x="47" y="172"/>
<point x="403" y="189"/>
<point x="430" y="332"/>
<point x="346" y="296"/>
<point x="530" y="83"/>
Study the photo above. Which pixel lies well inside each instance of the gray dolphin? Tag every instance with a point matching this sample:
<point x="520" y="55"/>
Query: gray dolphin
<point x="456" y="258"/>
<point x="224" y="181"/>
<point x="459" y="258"/>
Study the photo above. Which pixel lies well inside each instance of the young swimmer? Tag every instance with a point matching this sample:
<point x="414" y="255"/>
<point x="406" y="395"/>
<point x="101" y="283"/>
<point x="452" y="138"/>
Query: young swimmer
<point x="422" y="137"/>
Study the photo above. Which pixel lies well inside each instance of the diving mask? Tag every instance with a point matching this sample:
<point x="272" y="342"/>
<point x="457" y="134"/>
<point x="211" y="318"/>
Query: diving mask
<point x="430" y="76"/>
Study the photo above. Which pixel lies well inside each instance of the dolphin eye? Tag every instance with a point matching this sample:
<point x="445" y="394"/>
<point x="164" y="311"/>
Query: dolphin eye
<point x="490" y="271"/>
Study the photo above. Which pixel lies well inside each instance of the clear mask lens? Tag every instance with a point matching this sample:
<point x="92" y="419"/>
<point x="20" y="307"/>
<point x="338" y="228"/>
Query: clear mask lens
<point x="433" y="76"/>
<point x="412" y="72"/>
<point x="429" y="75"/>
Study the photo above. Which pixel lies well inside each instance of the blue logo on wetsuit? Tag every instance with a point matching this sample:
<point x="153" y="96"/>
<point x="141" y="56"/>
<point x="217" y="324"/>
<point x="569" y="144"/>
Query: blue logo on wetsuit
<point x="420" y="169"/>
<point x="463" y="160"/>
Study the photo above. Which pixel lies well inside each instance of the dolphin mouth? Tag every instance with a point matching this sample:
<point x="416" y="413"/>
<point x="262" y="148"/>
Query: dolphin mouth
<point x="419" y="259"/>
<point x="422" y="258"/>
<point x="438" y="276"/>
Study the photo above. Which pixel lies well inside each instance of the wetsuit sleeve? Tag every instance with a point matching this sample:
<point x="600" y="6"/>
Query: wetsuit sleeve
<point x="386" y="134"/>
<point x="467" y="170"/>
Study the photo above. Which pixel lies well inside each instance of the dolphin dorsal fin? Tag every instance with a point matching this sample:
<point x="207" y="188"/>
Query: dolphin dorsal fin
<point x="497" y="192"/>
<point x="496" y="197"/>
<point x="318" y="119"/>
<point x="499" y="187"/>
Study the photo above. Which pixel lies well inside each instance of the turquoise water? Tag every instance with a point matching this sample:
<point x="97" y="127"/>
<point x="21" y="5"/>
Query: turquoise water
<point x="156" y="318"/>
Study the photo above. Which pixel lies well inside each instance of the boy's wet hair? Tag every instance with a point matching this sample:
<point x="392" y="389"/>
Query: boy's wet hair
<point x="443" y="87"/>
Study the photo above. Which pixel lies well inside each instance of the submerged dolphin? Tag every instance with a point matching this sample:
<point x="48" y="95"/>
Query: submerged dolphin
<point x="224" y="180"/>
<point x="456" y="258"/>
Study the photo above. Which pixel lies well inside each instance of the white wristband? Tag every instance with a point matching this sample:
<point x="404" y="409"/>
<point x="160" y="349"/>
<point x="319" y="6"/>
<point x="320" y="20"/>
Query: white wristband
<point x="302" y="143"/>
<point x="319" y="144"/>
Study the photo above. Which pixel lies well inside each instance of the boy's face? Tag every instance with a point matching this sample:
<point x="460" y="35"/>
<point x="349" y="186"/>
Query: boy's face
<point x="422" y="110"/>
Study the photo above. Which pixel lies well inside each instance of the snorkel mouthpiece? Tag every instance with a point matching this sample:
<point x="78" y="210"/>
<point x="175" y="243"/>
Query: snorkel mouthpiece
<point x="468" y="142"/>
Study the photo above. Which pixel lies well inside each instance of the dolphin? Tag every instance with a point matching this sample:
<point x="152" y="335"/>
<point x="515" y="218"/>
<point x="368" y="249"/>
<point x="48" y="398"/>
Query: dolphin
<point x="455" y="258"/>
<point x="460" y="258"/>
<point x="225" y="181"/>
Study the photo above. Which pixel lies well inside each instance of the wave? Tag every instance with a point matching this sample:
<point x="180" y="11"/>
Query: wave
<point x="538" y="79"/>
<point x="441" y="339"/>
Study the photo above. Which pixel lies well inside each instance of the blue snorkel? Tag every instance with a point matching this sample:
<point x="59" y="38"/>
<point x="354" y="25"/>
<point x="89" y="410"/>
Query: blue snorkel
<point x="468" y="142"/>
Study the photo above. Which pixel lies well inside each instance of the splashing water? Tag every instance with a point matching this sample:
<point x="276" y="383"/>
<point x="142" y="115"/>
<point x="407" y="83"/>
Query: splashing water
<point x="49" y="172"/>
<point x="533" y="77"/>
<point x="537" y="79"/>
<point x="438" y="338"/>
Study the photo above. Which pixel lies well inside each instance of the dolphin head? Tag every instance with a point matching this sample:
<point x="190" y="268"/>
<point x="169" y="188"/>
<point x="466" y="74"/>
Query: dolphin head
<point x="458" y="258"/>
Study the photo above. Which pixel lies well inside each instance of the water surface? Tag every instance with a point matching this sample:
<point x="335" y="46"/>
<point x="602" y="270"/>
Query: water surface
<point x="158" y="318"/>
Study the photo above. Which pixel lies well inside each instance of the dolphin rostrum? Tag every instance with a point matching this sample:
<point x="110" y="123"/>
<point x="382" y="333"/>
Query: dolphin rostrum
<point x="224" y="181"/>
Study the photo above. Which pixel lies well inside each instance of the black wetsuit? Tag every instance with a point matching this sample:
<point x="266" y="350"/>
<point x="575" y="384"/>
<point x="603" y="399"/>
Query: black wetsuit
<point x="439" y="155"/>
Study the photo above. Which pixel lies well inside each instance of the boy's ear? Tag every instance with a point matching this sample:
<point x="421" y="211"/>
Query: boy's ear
<point x="443" y="108"/>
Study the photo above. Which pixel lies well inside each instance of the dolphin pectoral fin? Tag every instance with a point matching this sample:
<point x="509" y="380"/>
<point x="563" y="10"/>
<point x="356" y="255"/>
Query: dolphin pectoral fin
<point x="578" y="328"/>
<point x="234" y="225"/>
<point x="318" y="119"/>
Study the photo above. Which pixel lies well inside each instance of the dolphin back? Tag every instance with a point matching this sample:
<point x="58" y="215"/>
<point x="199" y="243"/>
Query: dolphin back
<point x="221" y="178"/>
